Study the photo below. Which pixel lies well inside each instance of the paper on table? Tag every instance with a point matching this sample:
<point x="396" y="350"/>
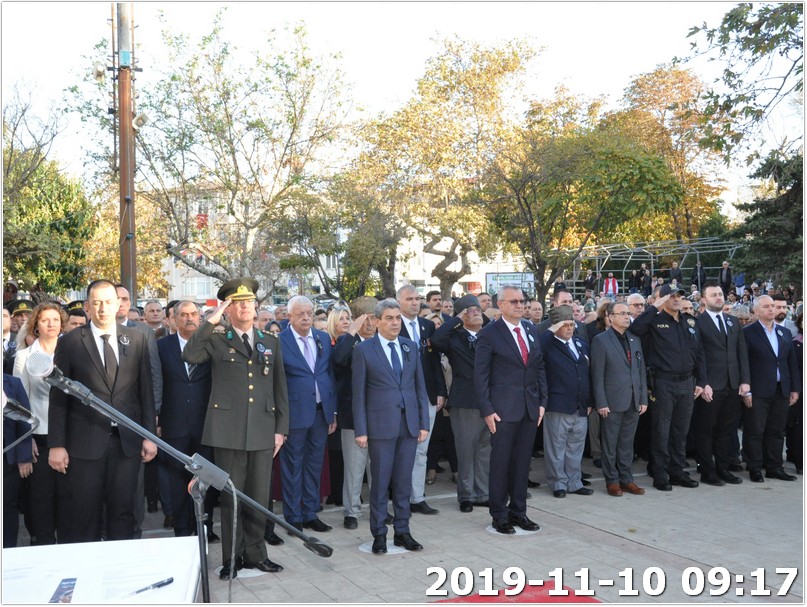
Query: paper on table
<point x="115" y="582"/>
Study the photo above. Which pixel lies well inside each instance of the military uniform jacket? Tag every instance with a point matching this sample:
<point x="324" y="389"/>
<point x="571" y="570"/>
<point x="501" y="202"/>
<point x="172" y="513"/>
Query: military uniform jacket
<point x="249" y="400"/>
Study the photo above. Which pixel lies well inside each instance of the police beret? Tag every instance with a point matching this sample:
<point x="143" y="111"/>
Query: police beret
<point x="560" y="314"/>
<point x="463" y="303"/>
<point x="238" y="289"/>
<point x="18" y="306"/>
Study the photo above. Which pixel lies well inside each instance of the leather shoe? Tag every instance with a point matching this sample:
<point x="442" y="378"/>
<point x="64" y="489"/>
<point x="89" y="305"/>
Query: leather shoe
<point x="316" y="525"/>
<point x="466" y="506"/>
<point x="712" y="479"/>
<point x="407" y="541"/>
<point x="212" y="538"/>
<point x="502" y="525"/>
<point x="756" y="476"/>
<point x="224" y="574"/>
<point x="662" y="485"/>
<point x="585" y="483"/>
<point x="533" y="484"/>
<point x="484" y="504"/>
<point x="614" y="490"/>
<point x="632" y="488"/>
<point x="735" y="468"/>
<point x="780" y="474"/>
<point x="152" y="507"/>
<point x="523" y="522"/>
<point x="265" y="565"/>
<point x="298" y="526"/>
<point x="168" y="522"/>
<point x="559" y="493"/>
<point x="684" y="481"/>
<point x="423" y="508"/>
<point x="585" y="475"/>
<point x="380" y="544"/>
<point x="583" y="491"/>
<point x="351" y="522"/>
<point x="729" y="478"/>
<point x="273" y="539"/>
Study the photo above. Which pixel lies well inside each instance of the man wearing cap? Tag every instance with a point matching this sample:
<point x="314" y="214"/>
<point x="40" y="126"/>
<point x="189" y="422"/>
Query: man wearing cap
<point x="563" y="297"/>
<point x="76" y="316"/>
<point x="20" y="310"/>
<point x="9" y="343"/>
<point x="247" y="415"/>
<point x="672" y="344"/>
<point x="457" y="338"/>
<point x="568" y="405"/>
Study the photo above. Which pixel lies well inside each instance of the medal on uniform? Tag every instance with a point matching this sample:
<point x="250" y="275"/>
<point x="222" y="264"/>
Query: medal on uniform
<point x="230" y="335"/>
<point x="231" y="351"/>
<point x="260" y="347"/>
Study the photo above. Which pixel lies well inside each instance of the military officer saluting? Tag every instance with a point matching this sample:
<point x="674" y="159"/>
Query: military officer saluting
<point x="247" y="415"/>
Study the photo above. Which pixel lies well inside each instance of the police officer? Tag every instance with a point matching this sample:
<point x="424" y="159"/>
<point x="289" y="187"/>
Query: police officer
<point x="674" y="354"/>
<point x="247" y="415"/>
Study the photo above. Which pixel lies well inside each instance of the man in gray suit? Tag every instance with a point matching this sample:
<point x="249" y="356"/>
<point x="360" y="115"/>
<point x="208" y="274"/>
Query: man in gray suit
<point x="616" y="364"/>
<point x="390" y="414"/>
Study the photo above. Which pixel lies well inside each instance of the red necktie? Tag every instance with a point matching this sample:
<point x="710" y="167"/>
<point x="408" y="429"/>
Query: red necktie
<point x="522" y="345"/>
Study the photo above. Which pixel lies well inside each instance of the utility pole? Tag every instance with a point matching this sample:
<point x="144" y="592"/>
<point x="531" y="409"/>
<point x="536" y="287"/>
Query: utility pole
<point x="125" y="107"/>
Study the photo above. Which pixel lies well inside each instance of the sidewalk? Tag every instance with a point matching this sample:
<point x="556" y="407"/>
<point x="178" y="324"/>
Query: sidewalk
<point x="742" y="528"/>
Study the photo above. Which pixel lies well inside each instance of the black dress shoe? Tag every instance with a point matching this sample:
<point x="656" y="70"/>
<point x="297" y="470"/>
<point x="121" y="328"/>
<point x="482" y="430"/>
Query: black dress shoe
<point x="585" y="482"/>
<point x="272" y="538"/>
<point x="265" y="565"/>
<point x="533" y="484"/>
<point x="735" y="468"/>
<point x="712" y="479"/>
<point x="585" y="476"/>
<point x="351" y="522"/>
<point x="168" y="522"/>
<point x="559" y="493"/>
<point x="662" y="485"/>
<point x="406" y="541"/>
<point x="388" y="520"/>
<point x="212" y="538"/>
<point x="684" y="481"/>
<point x="523" y="522"/>
<point x="152" y="507"/>
<point x="583" y="491"/>
<point x="380" y="544"/>
<point x="484" y="504"/>
<point x="423" y="508"/>
<point x="466" y="506"/>
<point x="316" y="525"/>
<point x="502" y="525"/>
<point x="756" y="476"/>
<point x="729" y="478"/>
<point x="780" y="474"/>
<point x="298" y="526"/>
<point x="225" y="570"/>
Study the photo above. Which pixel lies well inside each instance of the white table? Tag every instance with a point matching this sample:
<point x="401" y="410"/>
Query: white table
<point x="105" y="572"/>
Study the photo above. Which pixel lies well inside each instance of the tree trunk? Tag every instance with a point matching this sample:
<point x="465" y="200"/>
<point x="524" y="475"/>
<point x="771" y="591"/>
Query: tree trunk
<point x="387" y="273"/>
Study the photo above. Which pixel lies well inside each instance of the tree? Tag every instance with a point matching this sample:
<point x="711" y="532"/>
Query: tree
<point x="772" y="231"/>
<point x="762" y="47"/>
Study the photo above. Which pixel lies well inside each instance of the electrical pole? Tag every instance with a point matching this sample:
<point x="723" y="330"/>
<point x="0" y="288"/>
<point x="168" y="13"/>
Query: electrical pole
<point x="128" y="250"/>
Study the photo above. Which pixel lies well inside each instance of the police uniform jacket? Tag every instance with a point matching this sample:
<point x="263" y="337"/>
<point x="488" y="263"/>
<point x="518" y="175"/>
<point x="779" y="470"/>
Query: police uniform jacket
<point x="249" y="401"/>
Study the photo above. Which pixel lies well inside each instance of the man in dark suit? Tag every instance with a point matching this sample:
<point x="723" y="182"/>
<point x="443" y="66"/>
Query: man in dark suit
<point x="103" y="458"/>
<point x="562" y="297"/>
<point x="457" y="338"/>
<point x="725" y="278"/>
<point x="775" y="385"/>
<point x="247" y="415"/>
<point x="512" y="393"/>
<point x="16" y="462"/>
<point x="715" y="418"/>
<point x="619" y="383"/>
<point x="568" y="404"/>
<point x="421" y="331"/>
<point x="312" y="414"/>
<point x="186" y="391"/>
<point x="390" y="412"/>
<point x="9" y="343"/>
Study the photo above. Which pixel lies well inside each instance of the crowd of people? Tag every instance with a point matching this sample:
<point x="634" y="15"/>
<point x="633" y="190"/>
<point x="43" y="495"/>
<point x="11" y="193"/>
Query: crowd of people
<point x="304" y="405"/>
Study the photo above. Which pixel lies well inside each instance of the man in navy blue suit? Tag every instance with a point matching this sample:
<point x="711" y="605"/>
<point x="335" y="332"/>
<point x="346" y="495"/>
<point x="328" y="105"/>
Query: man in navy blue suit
<point x="312" y="414"/>
<point x="16" y="462"/>
<point x="390" y="413"/>
<point x="775" y="385"/>
<point x="185" y="394"/>
<point x="512" y="392"/>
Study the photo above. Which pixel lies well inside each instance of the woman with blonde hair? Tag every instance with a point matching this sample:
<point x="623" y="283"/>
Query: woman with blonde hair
<point x="46" y="485"/>
<point x="339" y="319"/>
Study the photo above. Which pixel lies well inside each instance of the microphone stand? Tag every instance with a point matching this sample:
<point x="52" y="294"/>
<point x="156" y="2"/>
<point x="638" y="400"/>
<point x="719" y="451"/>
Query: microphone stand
<point x="205" y="472"/>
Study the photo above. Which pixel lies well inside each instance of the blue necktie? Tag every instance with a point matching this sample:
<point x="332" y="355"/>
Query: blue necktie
<point x="396" y="362"/>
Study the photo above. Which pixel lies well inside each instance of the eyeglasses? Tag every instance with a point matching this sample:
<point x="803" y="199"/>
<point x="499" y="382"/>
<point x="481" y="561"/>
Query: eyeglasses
<point x="515" y="302"/>
<point x="620" y="313"/>
<point x="638" y="305"/>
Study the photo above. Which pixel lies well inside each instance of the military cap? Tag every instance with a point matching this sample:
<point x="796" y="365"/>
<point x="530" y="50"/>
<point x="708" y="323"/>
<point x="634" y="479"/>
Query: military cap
<point x="667" y="290"/>
<point x="238" y="289"/>
<point x="465" y="302"/>
<point x="560" y="314"/>
<point x="18" y="306"/>
<point x="74" y="306"/>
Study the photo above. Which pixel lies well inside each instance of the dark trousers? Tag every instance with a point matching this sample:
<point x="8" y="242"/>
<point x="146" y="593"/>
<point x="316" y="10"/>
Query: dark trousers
<point x="510" y="454"/>
<point x="672" y="413"/>
<point x="795" y="434"/>
<point x="11" y="515"/>
<point x="251" y="473"/>
<point x="441" y="443"/>
<point x="764" y="432"/>
<point x="110" y="480"/>
<point x="178" y="479"/>
<point x="301" y="460"/>
<point x="712" y="425"/>
<point x="391" y="462"/>
<point x="47" y="498"/>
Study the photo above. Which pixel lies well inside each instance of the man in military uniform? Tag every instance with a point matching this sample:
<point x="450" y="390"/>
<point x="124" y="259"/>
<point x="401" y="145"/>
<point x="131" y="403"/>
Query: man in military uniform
<point x="247" y="415"/>
<point x="20" y="310"/>
<point x="674" y="353"/>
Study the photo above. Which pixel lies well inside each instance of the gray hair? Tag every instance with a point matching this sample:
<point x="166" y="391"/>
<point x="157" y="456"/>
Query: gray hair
<point x="503" y="288"/>
<point x="636" y="297"/>
<point x="386" y="304"/>
<point x="297" y="300"/>
<point x="405" y="289"/>
<point x="185" y="302"/>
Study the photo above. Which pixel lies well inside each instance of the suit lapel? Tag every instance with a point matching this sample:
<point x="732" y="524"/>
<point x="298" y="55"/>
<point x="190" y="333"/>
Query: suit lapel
<point x="95" y="357"/>
<point x="509" y="339"/>
<point x="382" y="357"/>
<point x="176" y="353"/>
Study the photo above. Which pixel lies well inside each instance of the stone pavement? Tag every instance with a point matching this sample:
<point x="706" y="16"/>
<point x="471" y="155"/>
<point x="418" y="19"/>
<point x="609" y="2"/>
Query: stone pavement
<point x="745" y="529"/>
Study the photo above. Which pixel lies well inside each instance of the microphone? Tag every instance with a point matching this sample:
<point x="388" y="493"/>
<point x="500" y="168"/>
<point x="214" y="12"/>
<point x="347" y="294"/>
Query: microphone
<point x="41" y="365"/>
<point x="13" y="410"/>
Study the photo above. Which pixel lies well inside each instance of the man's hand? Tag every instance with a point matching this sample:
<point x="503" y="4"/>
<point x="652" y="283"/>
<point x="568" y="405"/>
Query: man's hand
<point x="280" y="440"/>
<point x="604" y="411"/>
<point x="214" y="318"/>
<point x="441" y="402"/>
<point x="149" y="451"/>
<point x="423" y="435"/>
<point x="541" y="411"/>
<point x="744" y="389"/>
<point x="34" y="450"/>
<point x="660" y="301"/>
<point x="707" y="394"/>
<point x="25" y="469"/>
<point x="58" y="459"/>
<point x="356" y="324"/>
<point x="642" y="409"/>
<point x="332" y="427"/>
<point x="491" y="420"/>
<point x="588" y="411"/>
<point x="794" y="396"/>
<point x="361" y="441"/>
<point x="698" y="391"/>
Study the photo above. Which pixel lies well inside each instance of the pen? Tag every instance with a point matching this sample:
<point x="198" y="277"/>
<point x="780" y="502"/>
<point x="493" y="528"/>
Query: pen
<point x="155" y="585"/>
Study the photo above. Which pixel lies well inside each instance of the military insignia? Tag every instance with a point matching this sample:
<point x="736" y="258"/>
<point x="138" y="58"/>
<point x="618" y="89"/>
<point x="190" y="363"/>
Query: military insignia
<point x="268" y="351"/>
<point x="231" y="351"/>
<point x="229" y="334"/>
<point x="124" y="340"/>
<point x="218" y="329"/>
<point x="691" y="322"/>
<point x="779" y="332"/>
<point x="260" y="333"/>
<point x="260" y="347"/>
